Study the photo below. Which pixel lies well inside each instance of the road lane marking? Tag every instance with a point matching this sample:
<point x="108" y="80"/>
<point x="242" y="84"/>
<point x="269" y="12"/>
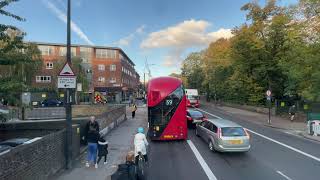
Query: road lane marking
<point x="202" y="162"/>
<point x="273" y="140"/>
<point x="287" y="146"/>
<point x="209" y="113"/>
<point x="283" y="175"/>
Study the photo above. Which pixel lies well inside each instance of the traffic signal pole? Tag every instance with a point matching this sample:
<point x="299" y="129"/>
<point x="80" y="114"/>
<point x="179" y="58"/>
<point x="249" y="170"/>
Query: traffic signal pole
<point x="68" y="96"/>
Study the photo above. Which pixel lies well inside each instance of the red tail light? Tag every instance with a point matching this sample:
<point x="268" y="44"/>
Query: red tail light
<point x="247" y="133"/>
<point x="219" y="133"/>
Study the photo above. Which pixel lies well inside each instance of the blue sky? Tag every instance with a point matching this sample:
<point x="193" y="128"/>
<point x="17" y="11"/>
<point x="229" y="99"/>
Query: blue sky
<point x="163" y="31"/>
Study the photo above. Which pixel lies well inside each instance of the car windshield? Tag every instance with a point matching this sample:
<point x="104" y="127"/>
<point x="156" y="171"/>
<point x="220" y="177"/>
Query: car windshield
<point x="232" y="131"/>
<point x="196" y="114"/>
<point x="192" y="97"/>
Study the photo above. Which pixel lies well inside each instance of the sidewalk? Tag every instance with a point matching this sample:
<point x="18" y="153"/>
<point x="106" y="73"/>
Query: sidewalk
<point x="297" y="128"/>
<point x="120" y="142"/>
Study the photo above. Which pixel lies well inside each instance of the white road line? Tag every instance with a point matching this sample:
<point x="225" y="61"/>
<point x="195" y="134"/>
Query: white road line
<point x="275" y="141"/>
<point x="202" y="162"/>
<point x="210" y="113"/>
<point x="285" y="176"/>
<point x="287" y="146"/>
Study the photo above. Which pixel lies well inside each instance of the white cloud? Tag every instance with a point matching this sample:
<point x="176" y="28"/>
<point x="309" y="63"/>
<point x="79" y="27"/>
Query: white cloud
<point x="62" y="16"/>
<point x="126" y="41"/>
<point x="178" y="38"/>
<point x="140" y="29"/>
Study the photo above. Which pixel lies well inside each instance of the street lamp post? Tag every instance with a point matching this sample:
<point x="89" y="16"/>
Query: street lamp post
<point x="68" y="96"/>
<point x="146" y="66"/>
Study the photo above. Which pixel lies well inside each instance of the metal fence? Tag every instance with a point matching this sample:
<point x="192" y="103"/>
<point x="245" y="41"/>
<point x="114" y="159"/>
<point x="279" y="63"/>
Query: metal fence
<point x="283" y="106"/>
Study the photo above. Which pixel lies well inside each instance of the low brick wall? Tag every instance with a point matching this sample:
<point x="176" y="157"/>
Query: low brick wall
<point x="45" y="157"/>
<point x="60" y="113"/>
<point x="37" y="160"/>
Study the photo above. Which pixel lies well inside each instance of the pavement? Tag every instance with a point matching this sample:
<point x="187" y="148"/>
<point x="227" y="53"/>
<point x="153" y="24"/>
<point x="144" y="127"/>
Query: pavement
<point x="274" y="154"/>
<point x="120" y="142"/>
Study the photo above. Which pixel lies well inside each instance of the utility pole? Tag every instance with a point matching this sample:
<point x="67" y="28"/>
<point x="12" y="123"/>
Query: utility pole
<point x="68" y="96"/>
<point x="144" y="84"/>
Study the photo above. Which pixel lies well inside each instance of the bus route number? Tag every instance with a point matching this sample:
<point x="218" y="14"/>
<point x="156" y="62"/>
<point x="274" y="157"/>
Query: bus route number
<point x="169" y="102"/>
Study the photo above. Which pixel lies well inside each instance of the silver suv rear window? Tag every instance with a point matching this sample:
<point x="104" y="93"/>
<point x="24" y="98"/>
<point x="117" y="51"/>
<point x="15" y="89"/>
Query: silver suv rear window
<point x="232" y="131"/>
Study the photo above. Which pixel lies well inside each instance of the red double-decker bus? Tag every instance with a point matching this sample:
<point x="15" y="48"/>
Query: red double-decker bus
<point x="166" y="109"/>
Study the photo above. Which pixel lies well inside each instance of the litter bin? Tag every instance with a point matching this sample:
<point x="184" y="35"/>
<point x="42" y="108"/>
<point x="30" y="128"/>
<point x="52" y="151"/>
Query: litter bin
<point x="312" y="119"/>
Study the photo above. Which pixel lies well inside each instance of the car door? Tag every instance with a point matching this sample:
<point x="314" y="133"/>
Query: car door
<point x="213" y="133"/>
<point x="201" y="129"/>
<point x="207" y="131"/>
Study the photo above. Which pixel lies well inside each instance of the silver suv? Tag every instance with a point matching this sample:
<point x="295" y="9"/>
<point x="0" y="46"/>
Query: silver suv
<point x="224" y="135"/>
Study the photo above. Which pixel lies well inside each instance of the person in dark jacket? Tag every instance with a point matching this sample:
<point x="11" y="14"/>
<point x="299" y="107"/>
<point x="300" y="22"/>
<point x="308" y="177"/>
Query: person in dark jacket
<point x="92" y="136"/>
<point x="102" y="150"/>
<point x="126" y="171"/>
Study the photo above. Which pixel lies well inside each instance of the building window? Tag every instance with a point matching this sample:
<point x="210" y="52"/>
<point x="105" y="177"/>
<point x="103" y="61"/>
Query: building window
<point x="43" y="79"/>
<point x="49" y="65"/>
<point x="63" y="51"/>
<point x="113" y="80"/>
<point x="46" y="50"/>
<point x="101" y="79"/>
<point x="85" y="54"/>
<point x="113" y="67"/>
<point x="105" y="53"/>
<point x="101" y="67"/>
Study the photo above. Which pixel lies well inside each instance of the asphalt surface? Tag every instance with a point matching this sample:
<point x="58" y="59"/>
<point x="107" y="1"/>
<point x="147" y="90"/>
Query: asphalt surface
<point x="293" y="158"/>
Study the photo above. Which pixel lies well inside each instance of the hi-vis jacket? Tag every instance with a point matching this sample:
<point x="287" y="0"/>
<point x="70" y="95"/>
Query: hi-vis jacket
<point x="140" y="144"/>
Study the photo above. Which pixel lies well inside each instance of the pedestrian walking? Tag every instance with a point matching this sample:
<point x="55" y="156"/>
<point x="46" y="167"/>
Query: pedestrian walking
<point x="133" y="110"/>
<point x="292" y="112"/>
<point x="102" y="150"/>
<point x="92" y="137"/>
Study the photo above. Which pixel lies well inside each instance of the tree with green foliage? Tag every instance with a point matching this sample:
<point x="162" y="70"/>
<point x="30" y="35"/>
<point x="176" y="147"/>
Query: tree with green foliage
<point x="192" y="70"/>
<point x="18" y="60"/>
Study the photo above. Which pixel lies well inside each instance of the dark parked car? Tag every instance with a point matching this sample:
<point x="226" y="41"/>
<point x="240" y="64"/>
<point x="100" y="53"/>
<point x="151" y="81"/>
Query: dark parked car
<point x="14" y="142"/>
<point x="4" y="148"/>
<point x="51" y="103"/>
<point x="194" y="116"/>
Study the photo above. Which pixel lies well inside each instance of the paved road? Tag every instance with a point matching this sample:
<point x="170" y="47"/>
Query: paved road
<point x="274" y="155"/>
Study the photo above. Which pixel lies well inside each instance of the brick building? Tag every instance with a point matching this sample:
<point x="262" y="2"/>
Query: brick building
<point x="108" y="69"/>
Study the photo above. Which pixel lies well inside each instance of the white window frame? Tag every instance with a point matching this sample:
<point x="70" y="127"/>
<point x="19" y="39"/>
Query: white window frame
<point x="43" y="79"/>
<point x="63" y="51"/>
<point x="101" y="67"/>
<point x="113" y="67"/>
<point x="113" y="80"/>
<point x="101" y="79"/>
<point x="46" y="50"/>
<point x="49" y="65"/>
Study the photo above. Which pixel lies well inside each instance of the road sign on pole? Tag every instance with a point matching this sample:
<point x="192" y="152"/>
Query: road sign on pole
<point x="67" y="82"/>
<point x="67" y="78"/>
<point x="268" y="93"/>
